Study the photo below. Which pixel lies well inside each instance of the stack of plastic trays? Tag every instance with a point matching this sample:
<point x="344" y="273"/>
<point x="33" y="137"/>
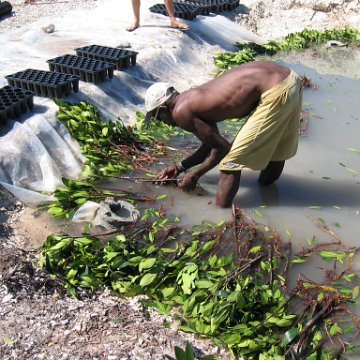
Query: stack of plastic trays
<point x="121" y="58"/>
<point x="233" y="4"/>
<point x="218" y="6"/>
<point x="204" y="6"/>
<point x="14" y="102"/>
<point x="182" y="11"/>
<point x="45" y="83"/>
<point x="89" y="70"/>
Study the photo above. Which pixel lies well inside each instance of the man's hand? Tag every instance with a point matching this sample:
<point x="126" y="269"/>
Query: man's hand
<point x="188" y="182"/>
<point x="170" y="172"/>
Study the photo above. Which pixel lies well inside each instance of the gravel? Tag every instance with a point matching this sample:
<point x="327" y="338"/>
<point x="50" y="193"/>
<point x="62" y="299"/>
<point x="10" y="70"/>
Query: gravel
<point x="25" y="12"/>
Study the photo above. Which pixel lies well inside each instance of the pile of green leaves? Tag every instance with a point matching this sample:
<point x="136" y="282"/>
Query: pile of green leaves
<point x="296" y="41"/>
<point x="240" y="302"/>
<point x="110" y="147"/>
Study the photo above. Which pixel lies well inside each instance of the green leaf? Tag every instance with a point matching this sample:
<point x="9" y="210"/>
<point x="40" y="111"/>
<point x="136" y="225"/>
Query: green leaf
<point x="147" y="264"/>
<point x="189" y="352"/>
<point x="204" y="284"/>
<point x="180" y="353"/>
<point x="104" y="131"/>
<point x="208" y="245"/>
<point x="89" y="280"/>
<point x="168" y="291"/>
<point x="161" y="197"/>
<point x="350" y="170"/>
<point x="258" y="213"/>
<point x="8" y="341"/>
<point x="289" y="336"/>
<point x="147" y="279"/>
<point x="355" y="292"/>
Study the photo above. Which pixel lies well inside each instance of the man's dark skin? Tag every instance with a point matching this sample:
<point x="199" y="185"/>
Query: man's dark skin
<point x="235" y="94"/>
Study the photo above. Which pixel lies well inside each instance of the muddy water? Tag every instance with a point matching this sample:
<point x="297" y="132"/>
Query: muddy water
<point x="321" y="181"/>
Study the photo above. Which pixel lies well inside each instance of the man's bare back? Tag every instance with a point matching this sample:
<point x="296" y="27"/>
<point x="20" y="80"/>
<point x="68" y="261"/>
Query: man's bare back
<point x="234" y="94"/>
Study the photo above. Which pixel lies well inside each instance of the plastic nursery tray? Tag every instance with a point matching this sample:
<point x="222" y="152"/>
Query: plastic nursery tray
<point x="216" y="6"/>
<point x="5" y="8"/>
<point x="89" y="70"/>
<point x="233" y="4"/>
<point x="14" y="102"/>
<point x="203" y="5"/>
<point x="182" y="11"/>
<point x="45" y="83"/>
<point x="121" y="58"/>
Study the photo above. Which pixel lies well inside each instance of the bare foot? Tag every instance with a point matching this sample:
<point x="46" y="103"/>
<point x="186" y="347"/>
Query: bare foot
<point x="176" y="24"/>
<point x="132" y="27"/>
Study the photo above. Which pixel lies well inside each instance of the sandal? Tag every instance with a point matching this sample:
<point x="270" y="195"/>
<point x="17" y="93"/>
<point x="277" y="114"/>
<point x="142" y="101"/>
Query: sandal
<point x="132" y="28"/>
<point x="179" y="25"/>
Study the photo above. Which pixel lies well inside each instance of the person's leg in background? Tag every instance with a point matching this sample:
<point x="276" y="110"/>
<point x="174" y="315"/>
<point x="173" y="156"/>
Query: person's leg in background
<point x="176" y="24"/>
<point x="136" y="12"/>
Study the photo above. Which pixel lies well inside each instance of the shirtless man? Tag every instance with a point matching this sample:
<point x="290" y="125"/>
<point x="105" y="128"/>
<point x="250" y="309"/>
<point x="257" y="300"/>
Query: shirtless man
<point x="270" y="93"/>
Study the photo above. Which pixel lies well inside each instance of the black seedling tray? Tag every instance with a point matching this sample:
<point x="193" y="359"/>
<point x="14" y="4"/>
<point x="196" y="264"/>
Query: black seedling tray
<point x="14" y="102"/>
<point x="45" y="83"/>
<point x="89" y="70"/>
<point x="121" y="58"/>
<point x="233" y="4"/>
<point x="216" y="6"/>
<point x="182" y="11"/>
<point x="5" y="8"/>
<point x="203" y="5"/>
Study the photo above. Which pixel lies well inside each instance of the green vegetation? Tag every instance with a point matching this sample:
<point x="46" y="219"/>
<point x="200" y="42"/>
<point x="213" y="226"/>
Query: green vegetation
<point x="296" y="41"/>
<point x="239" y="299"/>
<point x="187" y="354"/>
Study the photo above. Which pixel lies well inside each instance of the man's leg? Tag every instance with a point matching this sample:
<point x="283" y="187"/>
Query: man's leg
<point x="169" y="4"/>
<point x="271" y="173"/>
<point x="136" y="12"/>
<point x="228" y="186"/>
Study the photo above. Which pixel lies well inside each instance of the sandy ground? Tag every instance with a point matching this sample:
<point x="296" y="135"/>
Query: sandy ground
<point x="38" y="320"/>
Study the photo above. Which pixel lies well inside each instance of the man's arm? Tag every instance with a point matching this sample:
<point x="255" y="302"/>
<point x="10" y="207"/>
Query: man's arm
<point x="210" y="137"/>
<point x="197" y="157"/>
<point x="172" y="171"/>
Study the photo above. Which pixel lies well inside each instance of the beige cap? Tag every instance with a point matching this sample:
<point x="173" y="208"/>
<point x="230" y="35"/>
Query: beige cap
<point x="156" y="95"/>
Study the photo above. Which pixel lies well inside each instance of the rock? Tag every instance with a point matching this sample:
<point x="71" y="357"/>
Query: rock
<point x="48" y="29"/>
<point x="115" y="213"/>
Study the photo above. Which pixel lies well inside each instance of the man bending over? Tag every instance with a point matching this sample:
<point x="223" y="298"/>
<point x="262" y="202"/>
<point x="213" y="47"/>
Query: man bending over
<point x="270" y="93"/>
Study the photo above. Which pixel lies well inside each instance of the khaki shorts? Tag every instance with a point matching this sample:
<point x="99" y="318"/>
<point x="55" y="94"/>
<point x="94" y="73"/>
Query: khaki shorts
<point x="271" y="133"/>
